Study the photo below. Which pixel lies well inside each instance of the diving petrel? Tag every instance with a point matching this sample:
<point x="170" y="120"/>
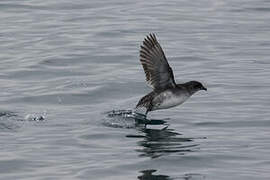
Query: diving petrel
<point x="159" y="75"/>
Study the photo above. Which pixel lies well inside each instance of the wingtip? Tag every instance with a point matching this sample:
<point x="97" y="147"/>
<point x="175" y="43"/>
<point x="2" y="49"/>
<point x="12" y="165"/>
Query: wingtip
<point x="150" y="36"/>
<point x="154" y="36"/>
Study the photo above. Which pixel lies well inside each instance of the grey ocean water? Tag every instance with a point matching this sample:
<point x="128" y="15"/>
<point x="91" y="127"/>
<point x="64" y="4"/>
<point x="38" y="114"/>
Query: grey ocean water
<point x="72" y="61"/>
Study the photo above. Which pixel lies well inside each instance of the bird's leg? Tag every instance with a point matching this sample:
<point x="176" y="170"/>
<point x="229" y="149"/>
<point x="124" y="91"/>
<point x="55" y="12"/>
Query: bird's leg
<point x="146" y="113"/>
<point x="146" y="118"/>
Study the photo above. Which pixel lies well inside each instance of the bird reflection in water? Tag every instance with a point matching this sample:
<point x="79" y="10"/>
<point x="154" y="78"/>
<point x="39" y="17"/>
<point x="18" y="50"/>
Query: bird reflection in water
<point x="148" y="175"/>
<point x="159" y="142"/>
<point x="153" y="142"/>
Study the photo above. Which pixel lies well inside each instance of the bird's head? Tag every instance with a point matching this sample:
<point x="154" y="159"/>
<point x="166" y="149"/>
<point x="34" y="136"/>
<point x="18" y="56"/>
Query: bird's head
<point x="194" y="86"/>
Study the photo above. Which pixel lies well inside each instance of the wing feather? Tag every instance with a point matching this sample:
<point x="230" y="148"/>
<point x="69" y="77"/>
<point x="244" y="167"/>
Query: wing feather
<point x="159" y="74"/>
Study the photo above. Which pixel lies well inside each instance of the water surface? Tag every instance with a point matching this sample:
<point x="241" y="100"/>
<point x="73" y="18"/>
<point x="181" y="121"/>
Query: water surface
<point x="72" y="61"/>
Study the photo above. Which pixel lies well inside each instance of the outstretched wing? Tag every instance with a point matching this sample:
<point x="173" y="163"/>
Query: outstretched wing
<point x="159" y="74"/>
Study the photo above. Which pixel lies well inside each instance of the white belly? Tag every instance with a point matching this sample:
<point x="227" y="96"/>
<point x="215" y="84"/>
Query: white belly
<point x="167" y="100"/>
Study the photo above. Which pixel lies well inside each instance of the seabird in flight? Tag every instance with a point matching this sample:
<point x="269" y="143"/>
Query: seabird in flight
<point x="159" y="75"/>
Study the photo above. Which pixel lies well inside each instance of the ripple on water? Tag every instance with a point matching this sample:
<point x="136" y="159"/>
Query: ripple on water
<point x="8" y="121"/>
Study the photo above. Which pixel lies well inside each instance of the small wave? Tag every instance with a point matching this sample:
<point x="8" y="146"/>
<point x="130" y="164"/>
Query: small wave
<point x="7" y="114"/>
<point x="7" y="121"/>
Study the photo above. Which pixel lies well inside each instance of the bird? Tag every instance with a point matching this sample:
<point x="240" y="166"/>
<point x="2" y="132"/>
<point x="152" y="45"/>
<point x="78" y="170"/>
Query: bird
<point x="159" y="75"/>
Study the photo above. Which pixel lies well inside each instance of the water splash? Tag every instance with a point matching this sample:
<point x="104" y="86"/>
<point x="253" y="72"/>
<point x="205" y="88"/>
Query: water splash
<point x="35" y="117"/>
<point x="129" y="119"/>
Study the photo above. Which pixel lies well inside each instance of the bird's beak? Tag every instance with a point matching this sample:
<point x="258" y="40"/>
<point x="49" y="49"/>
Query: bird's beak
<point x="203" y="88"/>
